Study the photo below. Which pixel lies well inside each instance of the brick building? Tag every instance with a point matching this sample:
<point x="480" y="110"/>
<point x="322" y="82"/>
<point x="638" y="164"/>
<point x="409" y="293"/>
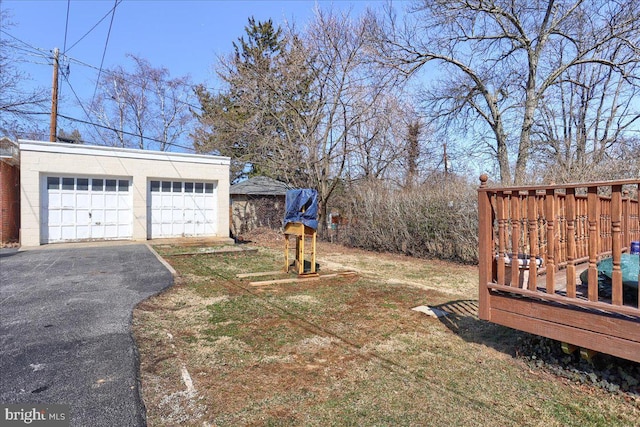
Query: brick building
<point x="9" y="192"/>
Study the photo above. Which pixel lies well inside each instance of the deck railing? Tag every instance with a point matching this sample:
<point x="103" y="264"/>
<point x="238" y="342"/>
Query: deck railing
<point x="545" y="229"/>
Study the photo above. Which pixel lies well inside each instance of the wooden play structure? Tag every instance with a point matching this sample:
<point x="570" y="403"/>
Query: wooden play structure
<point x="534" y="241"/>
<point x="301" y="223"/>
<point x="300" y="232"/>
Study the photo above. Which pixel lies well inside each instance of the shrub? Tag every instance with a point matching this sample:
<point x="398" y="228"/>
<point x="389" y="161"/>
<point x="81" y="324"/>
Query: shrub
<point x="438" y="219"/>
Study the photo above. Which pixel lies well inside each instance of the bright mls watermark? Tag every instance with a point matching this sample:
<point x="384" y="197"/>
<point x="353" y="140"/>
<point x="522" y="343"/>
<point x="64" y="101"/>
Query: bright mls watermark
<point x="31" y="414"/>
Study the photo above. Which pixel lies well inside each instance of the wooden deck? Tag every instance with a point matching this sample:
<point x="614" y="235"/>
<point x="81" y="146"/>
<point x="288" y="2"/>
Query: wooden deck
<point x="554" y="233"/>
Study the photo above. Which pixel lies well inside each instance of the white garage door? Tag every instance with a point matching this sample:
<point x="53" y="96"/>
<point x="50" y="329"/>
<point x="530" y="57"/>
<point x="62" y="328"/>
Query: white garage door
<point x="86" y="208"/>
<point x="180" y="208"/>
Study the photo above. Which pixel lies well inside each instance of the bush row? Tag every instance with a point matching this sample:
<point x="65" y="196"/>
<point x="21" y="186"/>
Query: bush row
<point x="434" y="220"/>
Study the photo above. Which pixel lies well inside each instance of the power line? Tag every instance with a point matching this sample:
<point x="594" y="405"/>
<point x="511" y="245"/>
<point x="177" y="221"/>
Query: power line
<point x="66" y="78"/>
<point x="86" y="122"/>
<point x="35" y="49"/>
<point x="173" y="144"/>
<point x="92" y="28"/>
<point x="110" y="73"/>
<point x="66" y="28"/>
<point x="104" y="51"/>
<point x="47" y="54"/>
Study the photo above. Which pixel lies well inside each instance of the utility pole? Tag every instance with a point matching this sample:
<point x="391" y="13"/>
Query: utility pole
<point x="54" y="99"/>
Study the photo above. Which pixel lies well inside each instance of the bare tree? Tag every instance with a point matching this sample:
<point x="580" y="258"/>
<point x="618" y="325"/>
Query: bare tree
<point x="352" y="100"/>
<point x="143" y="109"/>
<point x="499" y="58"/>
<point x="585" y="119"/>
<point x="297" y="106"/>
<point x="19" y="106"/>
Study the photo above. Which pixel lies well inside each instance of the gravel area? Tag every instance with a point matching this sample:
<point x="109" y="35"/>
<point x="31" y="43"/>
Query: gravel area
<point x="607" y="372"/>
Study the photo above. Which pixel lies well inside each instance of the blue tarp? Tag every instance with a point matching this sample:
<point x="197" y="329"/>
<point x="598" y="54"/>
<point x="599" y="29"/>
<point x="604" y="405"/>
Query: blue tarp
<point x="302" y="206"/>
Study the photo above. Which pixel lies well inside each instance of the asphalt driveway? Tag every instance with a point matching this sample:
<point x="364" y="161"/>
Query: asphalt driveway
<point x="65" y="329"/>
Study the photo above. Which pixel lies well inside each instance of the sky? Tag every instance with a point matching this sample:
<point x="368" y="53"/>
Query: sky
<point x="183" y="36"/>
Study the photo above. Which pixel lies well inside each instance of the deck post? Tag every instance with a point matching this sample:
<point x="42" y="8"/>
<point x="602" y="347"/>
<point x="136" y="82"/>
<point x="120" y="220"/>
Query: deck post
<point x="485" y="250"/>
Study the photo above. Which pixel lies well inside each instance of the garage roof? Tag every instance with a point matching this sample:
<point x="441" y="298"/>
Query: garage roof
<point x="95" y="150"/>
<point x="260" y="186"/>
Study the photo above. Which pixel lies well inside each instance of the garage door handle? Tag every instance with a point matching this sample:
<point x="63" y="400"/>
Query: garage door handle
<point x="89" y="215"/>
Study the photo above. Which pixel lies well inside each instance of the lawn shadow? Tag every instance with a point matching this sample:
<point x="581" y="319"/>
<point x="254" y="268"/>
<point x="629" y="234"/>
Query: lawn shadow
<point x="462" y="319"/>
<point x="604" y="371"/>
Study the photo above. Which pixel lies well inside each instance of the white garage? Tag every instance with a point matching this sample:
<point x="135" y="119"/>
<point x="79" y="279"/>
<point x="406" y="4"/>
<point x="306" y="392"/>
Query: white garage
<point x="72" y="192"/>
<point x="182" y="208"/>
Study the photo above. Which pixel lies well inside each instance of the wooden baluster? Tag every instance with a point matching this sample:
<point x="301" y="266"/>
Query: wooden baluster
<point x="606" y="226"/>
<point x="532" y="216"/>
<point x="585" y="227"/>
<point x="502" y="245"/>
<point x="571" y="242"/>
<point x="626" y="240"/>
<point x="602" y="230"/>
<point x="592" y="205"/>
<point x="579" y="228"/>
<point x="549" y="203"/>
<point x="616" y="243"/>
<point x="542" y="228"/>
<point x="515" y="238"/>
<point x="561" y="226"/>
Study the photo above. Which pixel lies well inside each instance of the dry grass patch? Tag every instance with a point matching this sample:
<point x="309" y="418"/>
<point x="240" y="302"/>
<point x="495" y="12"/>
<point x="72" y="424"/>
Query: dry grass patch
<point x="344" y="351"/>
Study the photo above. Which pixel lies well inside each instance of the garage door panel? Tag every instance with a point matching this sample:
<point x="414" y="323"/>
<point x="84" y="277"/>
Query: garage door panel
<point x="55" y="234"/>
<point x="97" y="231"/>
<point x="111" y="216"/>
<point x="55" y="200"/>
<point x="68" y="232"/>
<point x="83" y="232"/>
<point x="208" y="228"/>
<point x="166" y="229"/>
<point x="166" y="216"/>
<point x="82" y="216"/>
<point x="110" y="231"/>
<point x="124" y="201"/>
<point x="82" y="200"/>
<point x="97" y="201"/>
<point x="68" y="200"/>
<point x="125" y="229"/>
<point x="68" y="216"/>
<point x="54" y="217"/>
<point x="110" y="200"/>
<point x="189" y="229"/>
<point x="97" y="217"/>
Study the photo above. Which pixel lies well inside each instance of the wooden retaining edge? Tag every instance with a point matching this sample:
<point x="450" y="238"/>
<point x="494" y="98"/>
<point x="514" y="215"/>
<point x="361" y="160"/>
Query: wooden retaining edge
<point x="301" y="279"/>
<point x="217" y="252"/>
<point x="258" y="274"/>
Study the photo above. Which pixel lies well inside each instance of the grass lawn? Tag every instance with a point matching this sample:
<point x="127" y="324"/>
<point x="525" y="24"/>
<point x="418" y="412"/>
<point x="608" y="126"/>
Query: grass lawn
<point x="344" y="351"/>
